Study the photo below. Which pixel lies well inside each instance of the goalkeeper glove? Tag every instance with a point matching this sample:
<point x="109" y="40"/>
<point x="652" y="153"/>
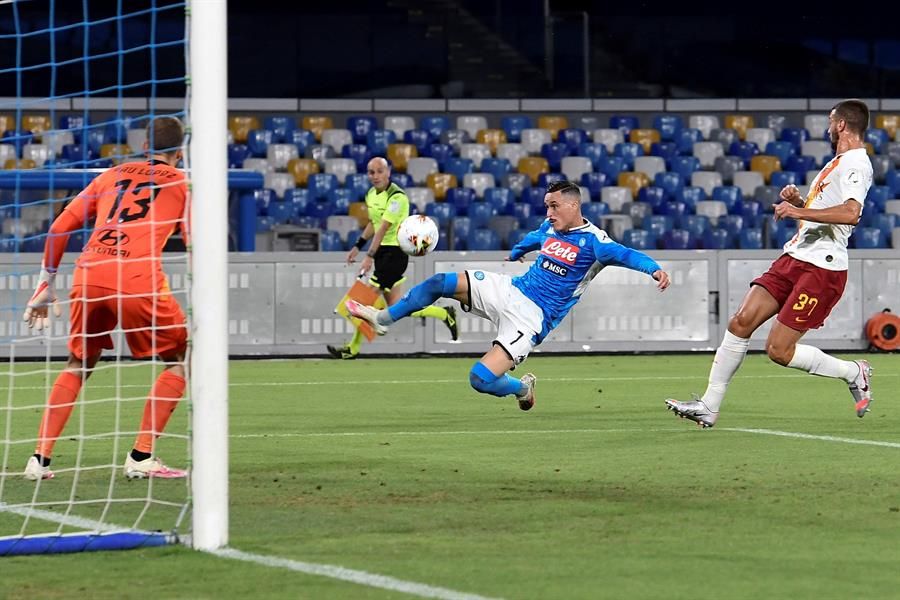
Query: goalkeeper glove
<point x="36" y="311"/>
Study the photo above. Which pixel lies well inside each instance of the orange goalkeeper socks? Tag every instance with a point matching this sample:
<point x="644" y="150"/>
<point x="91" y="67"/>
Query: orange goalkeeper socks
<point x="167" y="391"/>
<point x="56" y="414"/>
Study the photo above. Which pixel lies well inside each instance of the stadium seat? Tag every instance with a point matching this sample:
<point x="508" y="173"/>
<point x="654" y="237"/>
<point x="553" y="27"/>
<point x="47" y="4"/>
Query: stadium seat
<point x="39" y="153"/>
<point x="523" y="212"/>
<point x="241" y="125"/>
<point x="483" y="240"/>
<point x="707" y="152"/>
<point x="18" y="138"/>
<point x="705" y="123"/>
<point x="320" y="153"/>
<point x="628" y="151"/>
<point x="417" y="137"/>
<point x="479" y="182"/>
<point x="56" y="139"/>
<point x="685" y="139"/>
<point x="281" y="211"/>
<point x="402" y="179"/>
<point x="782" y="150"/>
<point x="707" y="180"/>
<point x="258" y="141"/>
<point x="534" y="197"/>
<point x="690" y="195"/>
<point x="593" y="211"/>
<point x="649" y="165"/>
<point x="533" y="166"/>
<point x="500" y="198"/>
<point x="118" y="153"/>
<point x="891" y="207"/>
<point x="359" y="154"/>
<point x="279" y="155"/>
<point x="236" y="155"/>
<point x="359" y="127"/>
<point x="653" y="196"/>
<point x="502" y="225"/>
<point x="644" y="137"/>
<point x="740" y="123"/>
<point x="440" y="183"/>
<point x="400" y="124"/>
<point x="716" y="239"/>
<point x="573" y="167"/>
<point x="879" y="196"/>
<point x="302" y="169"/>
<point x="765" y="165"/>
<point x="750" y="239"/>
<point x="726" y="137"/>
<point x="616" y="197"/>
<point x="638" y="239"/>
<point x="260" y="165"/>
<point x="498" y="167"/>
<point x="534" y="139"/>
<point x="330" y="241"/>
<point x="633" y="181"/>
<point x="665" y="150"/>
<point x="795" y="136"/>
<point x="594" y="182"/>
<point x="317" y="124"/>
<point x="421" y="197"/>
<point x="441" y="212"/>
<point x="776" y="123"/>
<point x="459" y="167"/>
<point x="592" y="151"/>
<point x="609" y="138"/>
<point x="400" y="155"/>
<point x="677" y="239"/>
<point x="554" y="153"/>
<point x="685" y="166"/>
<point x="337" y="139"/>
<point x="696" y="225"/>
<point x="667" y="126"/>
<point x="517" y="183"/>
<point x="779" y="179"/>
<point x="748" y="181"/>
<point x="491" y="138"/>
<point x="302" y="138"/>
<point x="727" y="166"/>
<point x="280" y="126"/>
<point x="767" y="196"/>
<point x="546" y="179"/>
<point x="476" y="153"/>
<point x="513" y="126"/>
<point x="358" y="183"/>
<point x="818" y="149"/>
<point x="320" y="184"/>
<point x="761" y="136"/>
<point x="816" y="125"/>
<point x="378" y="141"/>
<point x="456" y="138"/>
<point x="340" y="168"/>
<point x="572" y="138"/>
<point x="511" y="152"/>
<point x="461" y="198"/>
<point x="670" y="182"/>
<point x="869" y="238"/>
<point x="712" y="209"/>
<point x="297" y="197"/>
<point x="360" y="212"/>
<point x="440" y="152"/>
<point x="752" y="211"/>
<point x="516" y="236"/>
<point x="435" y="125"/>
<point x="552" y="123"/>
<point x="420" y="168"/>
<point x="279" y="182"/>
<point x="624" y="123"/>
<point x="800" y="165"/>
<point x="74" y="123"/>
<point x="880" y="166"/>
<point x="471" y="124"/>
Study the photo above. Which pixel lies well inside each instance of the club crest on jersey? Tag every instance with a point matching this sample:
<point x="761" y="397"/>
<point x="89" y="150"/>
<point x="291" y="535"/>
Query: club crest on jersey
<point x="560" y="250"/>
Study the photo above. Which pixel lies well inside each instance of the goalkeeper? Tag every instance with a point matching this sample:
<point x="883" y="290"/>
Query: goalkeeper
<point x="134" y="208"/>
<point x="388" y="206"/>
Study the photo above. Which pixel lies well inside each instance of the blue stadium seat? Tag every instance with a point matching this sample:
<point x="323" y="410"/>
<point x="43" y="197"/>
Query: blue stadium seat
<point x="76" y="124"/>
<point x="685" y="139"/>
<point x="869" y="237"/>
<point x="500" y="198"/>
<point x="554" y="153"/>
<point x="480" y="213"/>
<point x="359" y="184"/>
<point x="878" y="138"/>
<point x="261" y="198"/>
<point x="20" y="137"/>
<point x="515" y="236"/>
<point x="611" y="166"/>
<point x="750" y="239"/>
<point x="236" y="155"/>
<point x="281" y="211"/>
<point x="885" y="222"/>
<point x="115" y="132"/>
<point x="666" y="150"/>
<point x="280" y="126"/>
<point x="892" y="181"/>
<point x="402" y="179"/>
<point x="625" y="123"/>
<point x="302" y="138"/>
<point x="522" y="212"/>
<point x="730" y="195"/>
<point x="800" y="164"/>
<point x="498" y="167"/>
<point x="717" y="239"/>
<point x="535" y="221"/>
<point x="592" y="211"/>
<point x="459" y="167"/>
<point x="594" y="182"/>
<point x="351" y="237"/>
<point x="696" y="225"/>
<point x="461" y="226"/>
<point x="572" y="138"/>
<point x="795" y="136"/>
<point x="34" y="243"/>
<point x="418" y="138"/>
<point x="677" y="239"/>
<point x="94" y="138"/>
<point x="359" y="154"/>
<point x="360" y="126"/>
<point x="461" y="198"/>
<point x="77" y="154"/>
<point x="535" y="197"/>
<point x="441" y="153"/>
<point x="483" y="239"/>
<point x="780" y="179"/>
<point x="744" y="150"/>
<point x="675" y="209"/>
<point x="319" y="184"/>
<point x="657" y="226"/>
<point x="685" y="166"/>
<point x="628" y="151"/>
<point x="258" y="141"/>
<point x="690" y="195"/>
<point x="733" y="224"/>
<point x="330" y="241"/>
<point x="783" y="234"/>
<point x="299" y="197"/>
<point x="545" y="179"/>
<point x="783" y="150"/>
<point x="592" y="151"/>
<point x="652" y="195"/>
<point x="340" y="199"/>
<point x="878" y="196"/>
<point x="668" y="126"/>
<point x="513" y="127"/>
<point x="320" y="210"/>
<point x="639" y="239"/>
<point x="435" y="125"/>
<point x="752" y="212"/>
<point x="670" y="182"/>
<point x="378" y="141"/>
<point x="442" y="211"/>
<point x="308" y="222"/>
<point x="263" y="224"/>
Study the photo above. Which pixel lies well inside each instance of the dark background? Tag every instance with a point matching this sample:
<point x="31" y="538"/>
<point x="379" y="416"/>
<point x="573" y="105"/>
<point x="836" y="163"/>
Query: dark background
<point x="466" y="48"/>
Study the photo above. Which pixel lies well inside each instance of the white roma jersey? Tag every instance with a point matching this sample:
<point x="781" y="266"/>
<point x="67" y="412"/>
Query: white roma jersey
<point x="846" y="176"/>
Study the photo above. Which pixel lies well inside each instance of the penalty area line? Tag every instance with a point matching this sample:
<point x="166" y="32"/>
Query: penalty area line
<point x="809" y="436"/>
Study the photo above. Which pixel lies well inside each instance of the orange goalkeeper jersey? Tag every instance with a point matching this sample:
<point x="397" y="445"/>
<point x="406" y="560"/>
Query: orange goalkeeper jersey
<point x="134" y="207"/>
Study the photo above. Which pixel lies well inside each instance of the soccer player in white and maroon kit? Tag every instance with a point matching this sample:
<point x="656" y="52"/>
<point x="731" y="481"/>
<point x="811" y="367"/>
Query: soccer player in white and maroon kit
<point x="806" y="282"/>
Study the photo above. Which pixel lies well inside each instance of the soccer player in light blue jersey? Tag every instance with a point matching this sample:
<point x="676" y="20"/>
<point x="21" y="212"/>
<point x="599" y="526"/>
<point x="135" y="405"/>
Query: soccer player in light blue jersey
<point x="526" y="308"/>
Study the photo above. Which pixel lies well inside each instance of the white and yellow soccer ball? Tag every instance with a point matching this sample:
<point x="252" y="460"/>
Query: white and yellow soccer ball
<point x="418" y="235"/>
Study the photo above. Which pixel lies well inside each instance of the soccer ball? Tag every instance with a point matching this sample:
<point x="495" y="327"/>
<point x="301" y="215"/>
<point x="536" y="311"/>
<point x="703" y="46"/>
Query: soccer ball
<point x="417" y="235"/>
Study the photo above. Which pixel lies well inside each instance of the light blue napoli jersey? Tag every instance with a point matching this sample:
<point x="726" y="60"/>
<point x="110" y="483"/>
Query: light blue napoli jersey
<point x="566" y="265"/>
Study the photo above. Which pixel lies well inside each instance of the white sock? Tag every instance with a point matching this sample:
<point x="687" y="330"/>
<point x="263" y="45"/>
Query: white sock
<point x="729" y="357"/>
<point x="812" y="360"/>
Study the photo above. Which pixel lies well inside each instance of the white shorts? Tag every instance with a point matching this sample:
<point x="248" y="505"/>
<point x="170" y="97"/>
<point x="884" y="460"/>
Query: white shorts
<point x="518" y="319"/>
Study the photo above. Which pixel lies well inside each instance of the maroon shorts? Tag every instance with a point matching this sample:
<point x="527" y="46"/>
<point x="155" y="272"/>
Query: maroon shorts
<point x="806" y="293"/>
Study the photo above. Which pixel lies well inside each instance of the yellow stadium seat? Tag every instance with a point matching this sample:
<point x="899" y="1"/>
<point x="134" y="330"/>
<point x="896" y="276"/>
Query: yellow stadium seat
<point x="552" y="123"/>
<point x="740" y="123"/>
<point x="37" y="124"/>
<point x="399" y="155"/>
<point x="440" y="183"/>
<point x="644" y="137"/>
<point x="889" y="123"/>
<point x="301" y="169"/>
<point x="240" y="126"/>
<point x="766" y="165"/>
<point x="119" y="153"/>
<point x="22" y="163"/>
<point x="870" y="149"/>
<point x="7" y="122"/>
<point x="491" y="137"/>
<point x="317" y="124"/>
<point x="358" y="211"/>
<point x="634" y="181"/>
<point x="533" y="166"/>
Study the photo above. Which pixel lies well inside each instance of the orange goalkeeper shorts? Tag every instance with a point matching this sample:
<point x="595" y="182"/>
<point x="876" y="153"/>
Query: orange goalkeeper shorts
<point x="153" y="324"/>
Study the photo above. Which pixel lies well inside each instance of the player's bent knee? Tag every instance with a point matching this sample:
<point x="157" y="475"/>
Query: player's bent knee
<point x="441" y="284"/>
<point x="779" y="354"/>
<point x="482" y="380"/>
